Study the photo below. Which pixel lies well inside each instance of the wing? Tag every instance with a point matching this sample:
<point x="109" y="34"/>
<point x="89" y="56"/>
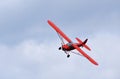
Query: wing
<point x="58" y="31"/>
<point x="85" y="55"/>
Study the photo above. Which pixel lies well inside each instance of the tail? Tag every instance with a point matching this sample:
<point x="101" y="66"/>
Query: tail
<point x="83" y="43"/>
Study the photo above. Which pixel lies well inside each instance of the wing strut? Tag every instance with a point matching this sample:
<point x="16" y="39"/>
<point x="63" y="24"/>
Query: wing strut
<point x="62" y="42"/>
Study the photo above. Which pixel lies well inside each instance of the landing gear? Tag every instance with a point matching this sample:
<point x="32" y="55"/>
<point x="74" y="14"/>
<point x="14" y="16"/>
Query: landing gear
<point x="64" y="51"/>
<point x="68" y="56"/>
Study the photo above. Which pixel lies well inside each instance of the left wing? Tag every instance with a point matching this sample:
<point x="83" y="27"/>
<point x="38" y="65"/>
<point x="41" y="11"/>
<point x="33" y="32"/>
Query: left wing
<point x="85" y="55"/>
<point x="58" y="31"/>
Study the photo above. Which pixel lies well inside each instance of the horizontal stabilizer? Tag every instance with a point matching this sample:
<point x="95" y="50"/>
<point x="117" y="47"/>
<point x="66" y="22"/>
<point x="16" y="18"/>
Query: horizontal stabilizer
<point x="83" y="43"/>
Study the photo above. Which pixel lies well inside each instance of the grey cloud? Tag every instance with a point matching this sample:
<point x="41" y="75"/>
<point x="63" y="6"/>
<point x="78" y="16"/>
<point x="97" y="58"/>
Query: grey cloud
<point x="25" y="20"/>
<point x="31" y="59"/>
<point x="17" y="17"/>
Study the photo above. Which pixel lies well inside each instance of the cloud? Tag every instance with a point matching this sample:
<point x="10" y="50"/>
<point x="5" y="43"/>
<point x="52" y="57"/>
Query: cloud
<point x="107" y="48"/>
<point x="28" y="46"/>
<point x="87" y="17"/>
<point x="31" y="59"/>
<point x="23" y="60"/>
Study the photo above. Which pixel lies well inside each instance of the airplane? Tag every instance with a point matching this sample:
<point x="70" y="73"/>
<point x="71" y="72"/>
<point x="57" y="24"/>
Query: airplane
<point x="68" y="47"/>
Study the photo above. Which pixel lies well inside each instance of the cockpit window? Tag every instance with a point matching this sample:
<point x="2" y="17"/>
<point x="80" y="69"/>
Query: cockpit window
<point x="69" y="44"/>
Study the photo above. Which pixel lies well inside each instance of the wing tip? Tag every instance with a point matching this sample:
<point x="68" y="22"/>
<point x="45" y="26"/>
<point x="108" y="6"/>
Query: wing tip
<point x="48" y="21"/>
<point x="96" y="64"/>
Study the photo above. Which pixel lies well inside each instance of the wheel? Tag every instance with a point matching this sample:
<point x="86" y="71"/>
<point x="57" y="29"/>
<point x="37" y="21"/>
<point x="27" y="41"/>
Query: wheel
<point x="68" y="56"/>
<point x="59" y="48"/>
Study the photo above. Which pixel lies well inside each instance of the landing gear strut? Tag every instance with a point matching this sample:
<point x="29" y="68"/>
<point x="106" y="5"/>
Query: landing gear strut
<point x="65" y="52"/>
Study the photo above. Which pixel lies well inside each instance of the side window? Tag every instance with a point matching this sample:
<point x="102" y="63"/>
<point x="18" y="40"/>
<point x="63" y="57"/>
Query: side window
<point x="69" y="44"/>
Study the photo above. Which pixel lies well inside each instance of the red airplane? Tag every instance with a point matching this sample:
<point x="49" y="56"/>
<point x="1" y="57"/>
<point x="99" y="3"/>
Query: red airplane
<point x="70" y="45"/>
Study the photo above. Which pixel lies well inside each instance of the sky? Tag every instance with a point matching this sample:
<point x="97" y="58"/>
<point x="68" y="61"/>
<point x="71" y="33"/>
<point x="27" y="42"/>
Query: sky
<point x="29" y="46"/>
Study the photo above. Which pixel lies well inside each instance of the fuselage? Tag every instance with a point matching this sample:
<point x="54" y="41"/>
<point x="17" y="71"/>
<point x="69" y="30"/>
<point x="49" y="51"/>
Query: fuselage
<point x="69" y="47"/>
